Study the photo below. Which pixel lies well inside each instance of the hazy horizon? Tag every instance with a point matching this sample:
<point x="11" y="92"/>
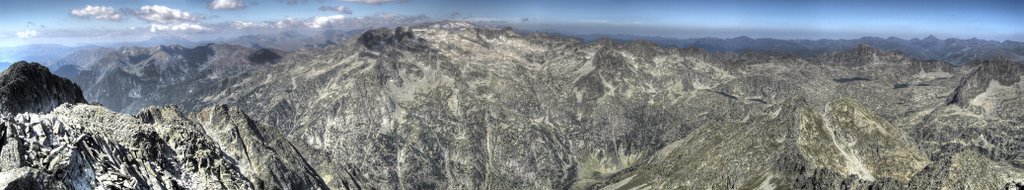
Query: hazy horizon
<point x="97" y="22"/>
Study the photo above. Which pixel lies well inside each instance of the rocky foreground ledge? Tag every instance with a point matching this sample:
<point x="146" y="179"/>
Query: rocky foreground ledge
<point x="57" y="142"/>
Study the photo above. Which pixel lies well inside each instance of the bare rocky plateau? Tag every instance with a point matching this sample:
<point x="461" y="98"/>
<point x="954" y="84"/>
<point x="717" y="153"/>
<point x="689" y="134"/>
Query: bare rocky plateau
<point x="451" y="105"/>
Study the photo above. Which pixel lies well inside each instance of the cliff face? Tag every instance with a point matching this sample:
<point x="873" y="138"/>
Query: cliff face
<point x="125" y="79"/>
<point x="78" y="146"/>
<point x="452" y="105"/>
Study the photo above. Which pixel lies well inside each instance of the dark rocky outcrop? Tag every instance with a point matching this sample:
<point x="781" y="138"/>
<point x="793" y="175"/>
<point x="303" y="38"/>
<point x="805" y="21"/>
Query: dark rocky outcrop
<point x="79" y="146"/>
<point x="379" y="38"/>
<point x="26" y="178"/>
<point x="264" y="56"/>
<point x="30" y="87"/>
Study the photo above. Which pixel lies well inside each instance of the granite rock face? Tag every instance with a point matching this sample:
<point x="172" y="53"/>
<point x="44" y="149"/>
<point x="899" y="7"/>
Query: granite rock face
<point x="452" y="105"/>
<point x="88" y="146"/>
<point x="79" y="146"/>
<point x="125" y="79"/>
<point x="84" y="146"/>
<point x="262" y="152"/>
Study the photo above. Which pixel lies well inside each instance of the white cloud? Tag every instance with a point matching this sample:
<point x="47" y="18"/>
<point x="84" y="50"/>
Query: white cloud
<point x="373" y="2"/>
<point x="162" y="14"/>
<point x="226" y="4"/>
<point x="246" y="24"/>
<point x="27" y="34"/>
<point x="286" y="22"/>
<point x="322" y="21"/>
<point x="339" y="9"/>
<point x="96" y="12"/>
<point x="177" y="27"/>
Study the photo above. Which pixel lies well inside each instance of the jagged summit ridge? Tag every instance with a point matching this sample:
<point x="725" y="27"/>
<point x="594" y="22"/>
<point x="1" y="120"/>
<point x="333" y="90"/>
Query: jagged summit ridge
<point x="861" y="55"/>
<point x="120" y="78"/>
<point x="451" y="25"/>
<point x="85" y="146"/>
<point x="80" y="146"/>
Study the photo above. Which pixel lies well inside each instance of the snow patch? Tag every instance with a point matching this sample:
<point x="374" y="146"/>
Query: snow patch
<point x="993" y="95"/>
<point x="932" y="75"/>
<point x="767" y="183"/>
<point x="618" y="185"/>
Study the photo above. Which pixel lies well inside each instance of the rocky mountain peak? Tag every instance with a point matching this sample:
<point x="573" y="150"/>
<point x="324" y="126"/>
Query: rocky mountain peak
<point x="378" y="38"/>
<point x="743" y="38"/>
<point x="1006" y="72"/>
<point x="165" y="114"/>
<point x="30" y="87"/>
<point x="861" y="55"/>
<point x="451" y="25"/>
<point x="864" y="48"/>
<point x="263" y="56"/>
<point x="170" y="48"/>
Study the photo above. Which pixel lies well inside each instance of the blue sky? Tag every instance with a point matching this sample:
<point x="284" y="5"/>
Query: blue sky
<point x="52" y="21"/>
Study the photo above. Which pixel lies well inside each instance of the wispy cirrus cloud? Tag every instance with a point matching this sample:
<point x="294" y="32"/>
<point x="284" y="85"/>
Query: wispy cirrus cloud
<point x="226" y="4"/>
<point x="239" y="25"/>
<point x="339" y="9"/>
<point x="325" y="22"/>
<point x="177" y="27"/>
<point x="96" y="12"/>
<point x="202" y="30"/>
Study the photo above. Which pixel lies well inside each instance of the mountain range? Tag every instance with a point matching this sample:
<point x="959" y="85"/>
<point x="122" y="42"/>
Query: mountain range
<point x="952" y="50"/>
<point x="453" y="105"/>
<point x="955" y="51"/>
